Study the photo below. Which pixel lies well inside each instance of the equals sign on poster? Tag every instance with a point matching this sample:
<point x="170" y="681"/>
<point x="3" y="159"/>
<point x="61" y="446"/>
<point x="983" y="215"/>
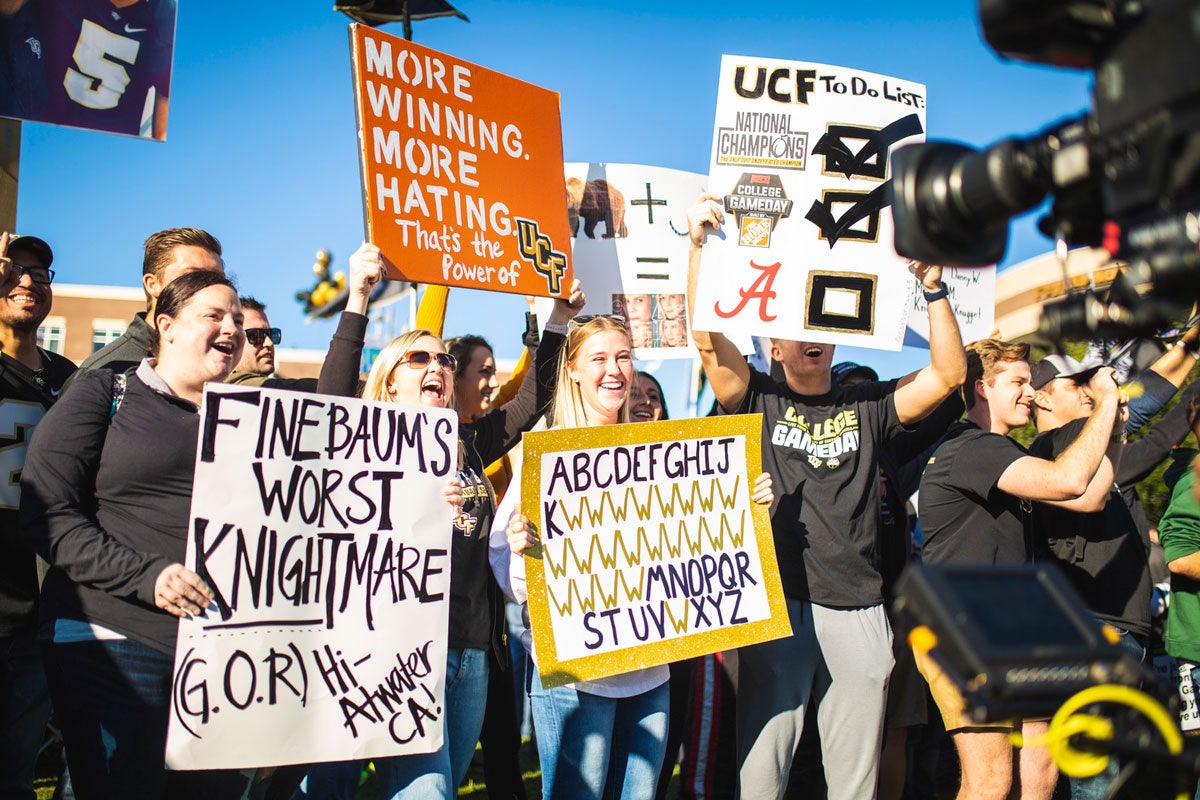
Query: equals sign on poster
<point x="648" y="261"/>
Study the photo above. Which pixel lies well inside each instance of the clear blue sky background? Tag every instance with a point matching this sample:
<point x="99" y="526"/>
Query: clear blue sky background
<point x="262" y="148"/>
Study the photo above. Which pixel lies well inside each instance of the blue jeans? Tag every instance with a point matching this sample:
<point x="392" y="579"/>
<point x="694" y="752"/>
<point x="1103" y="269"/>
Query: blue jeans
<point x="112" y="700"/>
<point x="429" y="776"/>
<point x="24" y="710"/>
<point x="599" y="748"/>
<point x="337" y="780"/>
<point x="1097" y="786"/>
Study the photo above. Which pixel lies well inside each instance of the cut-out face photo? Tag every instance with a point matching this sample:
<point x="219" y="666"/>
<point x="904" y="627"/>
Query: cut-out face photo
<point x="669" y="306"/>
<point x="672" y="332"/>
<point x="633" y="307"/>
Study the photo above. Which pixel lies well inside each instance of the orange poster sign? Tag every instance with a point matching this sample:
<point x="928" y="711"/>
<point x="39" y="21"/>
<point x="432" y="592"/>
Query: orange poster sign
<point x="462" y="170"/>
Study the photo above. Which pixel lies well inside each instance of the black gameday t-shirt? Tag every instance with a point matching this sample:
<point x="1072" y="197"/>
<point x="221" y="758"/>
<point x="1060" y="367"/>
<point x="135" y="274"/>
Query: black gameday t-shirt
<point x="821" y="452"/>
<point x="965" y="518"/>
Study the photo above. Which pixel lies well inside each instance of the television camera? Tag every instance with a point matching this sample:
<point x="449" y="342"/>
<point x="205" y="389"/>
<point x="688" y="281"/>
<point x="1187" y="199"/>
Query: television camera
<point x="1124" y="175"/>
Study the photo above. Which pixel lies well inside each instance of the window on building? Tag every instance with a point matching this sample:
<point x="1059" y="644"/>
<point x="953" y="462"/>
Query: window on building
<point x="105" y="331"/>
<point x="52" y="334"/>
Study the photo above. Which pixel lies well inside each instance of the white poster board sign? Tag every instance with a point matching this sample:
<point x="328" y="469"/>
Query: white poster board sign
<point x="630" y="248"/>
<point x="800" y="160"/>
<point x="973" y="297"/>
<point x="318" y="522"/>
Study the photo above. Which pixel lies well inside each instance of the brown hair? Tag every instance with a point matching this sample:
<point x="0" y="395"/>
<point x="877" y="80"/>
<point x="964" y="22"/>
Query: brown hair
<point x="177" y="294"/>
<point x="159" y="246"/>
<point x="662" y="397"/>
<point x="463" y="347"/>
<point x="983" y="357"/>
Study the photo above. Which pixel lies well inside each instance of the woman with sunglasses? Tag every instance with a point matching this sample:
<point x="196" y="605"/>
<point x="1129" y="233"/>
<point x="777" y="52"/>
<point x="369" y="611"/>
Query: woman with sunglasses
<point x="602" y="738"/>
<point x="416" y="369"/>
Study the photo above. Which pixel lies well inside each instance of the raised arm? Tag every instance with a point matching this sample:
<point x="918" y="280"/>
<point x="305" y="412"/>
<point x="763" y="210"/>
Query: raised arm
<point x="339" y="372"/>
<point x="727" y="371"/>
<point x="1141" y="457"/>
<point x="1076" y="475"/>
<point x="499" y="430"/>
<point x="919" y="393"/>
<point x="1177" y="362"/>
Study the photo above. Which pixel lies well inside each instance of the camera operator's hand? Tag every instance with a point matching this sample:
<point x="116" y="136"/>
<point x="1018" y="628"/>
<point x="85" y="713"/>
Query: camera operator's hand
<point x="704" y="217"/>
<point x="930" y="275"/>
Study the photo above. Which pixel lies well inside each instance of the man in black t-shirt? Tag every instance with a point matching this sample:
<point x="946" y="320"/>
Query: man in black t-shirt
<point x="975" y="508"/>
<point x="821" y="445"/>
<point x="30" y="380"/>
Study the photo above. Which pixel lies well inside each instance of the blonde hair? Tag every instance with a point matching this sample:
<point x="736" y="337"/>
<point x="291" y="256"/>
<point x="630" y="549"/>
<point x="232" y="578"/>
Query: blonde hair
<point x="375" y="387"/>
<point x="567" y="409"/>
<point x="983" y="357"/>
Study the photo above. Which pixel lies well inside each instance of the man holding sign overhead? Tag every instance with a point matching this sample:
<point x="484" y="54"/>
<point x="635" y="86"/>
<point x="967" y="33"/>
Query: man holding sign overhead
<point x="823" y="454"/>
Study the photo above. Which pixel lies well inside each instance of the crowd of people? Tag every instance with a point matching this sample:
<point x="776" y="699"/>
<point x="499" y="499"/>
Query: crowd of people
<point x="93" y="575"/>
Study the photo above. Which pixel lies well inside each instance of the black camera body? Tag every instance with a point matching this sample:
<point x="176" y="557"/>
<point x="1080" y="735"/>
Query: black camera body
<point x="1124" y="176"/>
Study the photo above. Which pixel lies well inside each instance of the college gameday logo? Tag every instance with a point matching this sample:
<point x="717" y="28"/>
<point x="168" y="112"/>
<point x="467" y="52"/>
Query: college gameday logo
<point x="758" y="202"/>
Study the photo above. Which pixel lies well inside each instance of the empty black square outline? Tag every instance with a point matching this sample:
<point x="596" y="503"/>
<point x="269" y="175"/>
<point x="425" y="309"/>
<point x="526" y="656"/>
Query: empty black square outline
<point x="863" y="284"/>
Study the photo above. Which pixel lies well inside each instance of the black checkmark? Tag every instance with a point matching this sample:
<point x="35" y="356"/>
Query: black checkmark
<point x="839" y="158"/>
<point x="833" y="229"/>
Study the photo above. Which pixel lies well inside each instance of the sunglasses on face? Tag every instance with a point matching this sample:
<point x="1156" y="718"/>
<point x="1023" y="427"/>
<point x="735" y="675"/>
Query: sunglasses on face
<point x="14" y="271"/>
<point x="256" y="336"/>
<point x="419" y="359"/>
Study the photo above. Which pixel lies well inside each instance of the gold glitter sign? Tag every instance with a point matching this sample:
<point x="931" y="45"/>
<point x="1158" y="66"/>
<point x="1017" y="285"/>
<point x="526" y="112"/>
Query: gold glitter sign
<point x="651" y="549"/>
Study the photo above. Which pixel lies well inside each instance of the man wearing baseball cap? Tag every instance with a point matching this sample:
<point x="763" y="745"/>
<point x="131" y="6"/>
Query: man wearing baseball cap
<point x="30" y="380"/>
<point x="1102" y="552"/>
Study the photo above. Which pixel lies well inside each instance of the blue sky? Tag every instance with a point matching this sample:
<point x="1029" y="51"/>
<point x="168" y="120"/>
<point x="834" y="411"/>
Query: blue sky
<point x="262" y="147"/>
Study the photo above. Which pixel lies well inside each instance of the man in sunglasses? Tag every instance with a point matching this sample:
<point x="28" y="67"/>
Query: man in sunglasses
<point x="257" y="366"/>
<point x="30" y="381"/>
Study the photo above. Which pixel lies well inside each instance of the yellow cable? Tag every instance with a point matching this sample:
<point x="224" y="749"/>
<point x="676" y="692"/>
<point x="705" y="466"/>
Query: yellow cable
<point x="1067" y="722"/>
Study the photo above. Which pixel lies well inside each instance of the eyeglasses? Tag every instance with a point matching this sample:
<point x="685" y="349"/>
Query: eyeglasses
<point x="419" y="359"/>
<point x="584" y="319"/>
<point x="14" y="271"/>
<point x="256" y="336"/>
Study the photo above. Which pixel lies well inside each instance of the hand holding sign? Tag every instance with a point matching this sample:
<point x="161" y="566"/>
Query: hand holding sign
<point x="522" y="535"/>
<point x="181" y="592"/>
<point x="929" y="275"/>
<point x="366" y="270"/>
<point x="762" y="493"/>
<point x="566" y="309"/>
<point x="705" y="217"/>
<point x="453" y="495"/>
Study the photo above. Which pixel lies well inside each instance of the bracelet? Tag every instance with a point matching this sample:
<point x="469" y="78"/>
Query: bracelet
<point x="557" y="327"/>
<point x="938" y="295"/>
<point x="1192" y="348"/>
